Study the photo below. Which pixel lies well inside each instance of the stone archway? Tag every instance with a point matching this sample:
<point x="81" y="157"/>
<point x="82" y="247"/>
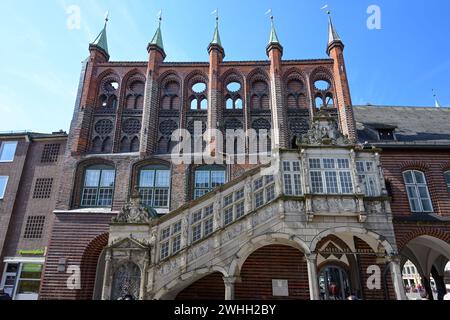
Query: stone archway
<point x="430" y="255"/>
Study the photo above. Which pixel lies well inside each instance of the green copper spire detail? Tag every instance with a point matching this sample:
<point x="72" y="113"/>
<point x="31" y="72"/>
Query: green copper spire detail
<point x="102" y="40"/>
<point x="332" y="33"/>
<point x="216" y="39"/>
<point x="157" y="38"/>
<point x="273" y="33"/>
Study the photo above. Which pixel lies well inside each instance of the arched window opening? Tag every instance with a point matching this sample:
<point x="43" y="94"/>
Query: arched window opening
<point x="239" y="104"/>
<point x="130" y="102"/>
<point x="97" y="145"/>
<point x="194" y="104"/>
<point x="124" y="145"/>
<point x="135" y="145"/>
<point x="302" y="102"/>
<point x="107" y="145"/>
<point x="204" y="104"/>
<point x="230" y="104"/>
<point x="208" y="178"/>
<point x="139" y="102"/>
<point x="329" y="102"/>
<point x="265" y="102"/>
<point x="417" y="190"/>
<point x="319" y="103"/>
<point x="292" y="101"/>
<point x="154" y="186"/>
<point x="98" y="186"/>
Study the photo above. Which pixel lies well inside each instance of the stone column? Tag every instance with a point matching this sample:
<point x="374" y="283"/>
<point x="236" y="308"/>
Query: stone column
<point x="107" y="280"/>
<point x="312" y="276"/>
<point x="397" y="278"/>
<point x="230" y="283"/>
<point x="143" y="284"/>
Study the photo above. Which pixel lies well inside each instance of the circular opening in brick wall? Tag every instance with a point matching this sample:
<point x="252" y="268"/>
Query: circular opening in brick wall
<point x="111" y="86"/>
<point x="322" y="85"/>
<point x="234" y="86"/>
<point x="199" y="87"/>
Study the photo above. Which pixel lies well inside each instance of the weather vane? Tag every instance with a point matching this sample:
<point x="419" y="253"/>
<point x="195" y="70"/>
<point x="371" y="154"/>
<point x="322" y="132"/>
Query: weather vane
<point x="326" y="7"/>
<point x="216" y="13"/>
<point x="270" y="14"/>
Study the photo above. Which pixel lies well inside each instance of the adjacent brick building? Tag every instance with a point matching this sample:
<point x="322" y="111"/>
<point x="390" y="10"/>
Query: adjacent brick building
<point x="334" y="210"/>
<point x="31" y="168"/>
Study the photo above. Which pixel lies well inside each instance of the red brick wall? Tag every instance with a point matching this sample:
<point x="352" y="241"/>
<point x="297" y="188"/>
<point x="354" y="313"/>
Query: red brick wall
<point x="269" y="263"/>
<point x="211" y="287"/>
<point x="78" y="238"/>
<point x="432" y="163"/>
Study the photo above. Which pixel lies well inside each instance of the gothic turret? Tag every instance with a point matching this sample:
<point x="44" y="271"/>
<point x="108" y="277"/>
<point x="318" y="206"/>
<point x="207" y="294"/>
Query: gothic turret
<point x="333" y="37"/>
<point x="99" y="47"/>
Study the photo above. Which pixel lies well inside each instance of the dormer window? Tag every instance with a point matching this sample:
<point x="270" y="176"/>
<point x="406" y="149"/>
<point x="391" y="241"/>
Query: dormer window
<point x="386" y="134"/>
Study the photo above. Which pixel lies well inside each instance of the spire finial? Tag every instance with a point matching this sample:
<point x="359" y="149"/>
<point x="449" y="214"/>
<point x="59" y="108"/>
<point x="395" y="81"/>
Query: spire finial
<point x="106" y="18"/>
<point x="273" y="33"/>
<point x="216" y="38"/>
<point x="333" y="36"/>
<point x="157" y="38"/>
<point x="101" y="41"/>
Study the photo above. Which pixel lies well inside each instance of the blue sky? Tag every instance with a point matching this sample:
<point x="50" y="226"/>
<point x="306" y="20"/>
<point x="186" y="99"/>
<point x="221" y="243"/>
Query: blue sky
<point x="40" y="57"/>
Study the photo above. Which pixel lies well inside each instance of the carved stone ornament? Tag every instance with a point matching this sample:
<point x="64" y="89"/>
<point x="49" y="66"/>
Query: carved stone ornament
<point x="324" y="131"/>
<point x="135" y="212"/>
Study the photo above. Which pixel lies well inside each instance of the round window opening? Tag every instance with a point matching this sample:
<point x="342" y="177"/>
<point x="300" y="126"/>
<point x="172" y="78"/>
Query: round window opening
<point x="199" y="87"/>
<point x="322" y="85"/>
<point x="234" y="86"/>
<point x="111" y="86"/>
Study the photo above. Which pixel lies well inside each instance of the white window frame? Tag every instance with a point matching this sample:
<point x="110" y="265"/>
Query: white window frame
<point x="156" y="169"/>
<point x="207" y="218"/>
<point x="234" y="200"/>
<point x="290" y="174"/>
<point x="3" y="192"/>
<point x="323" y="174"/>
<point x="170" y="240"/>
<point x="366" y="176"/>
<point x="263" y="185"/>
<point x="2" y="146"/>
<point x="416" y="186"/>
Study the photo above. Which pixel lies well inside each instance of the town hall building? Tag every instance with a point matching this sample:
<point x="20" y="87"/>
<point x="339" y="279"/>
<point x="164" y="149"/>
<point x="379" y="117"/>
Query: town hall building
<point x="351" y="193"/>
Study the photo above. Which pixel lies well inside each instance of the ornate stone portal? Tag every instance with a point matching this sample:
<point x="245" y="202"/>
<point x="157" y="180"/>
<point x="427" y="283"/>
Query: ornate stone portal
<point x="128" y="255"/>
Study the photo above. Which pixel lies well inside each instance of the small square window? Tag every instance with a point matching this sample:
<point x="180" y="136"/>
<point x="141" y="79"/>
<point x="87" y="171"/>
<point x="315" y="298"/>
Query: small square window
<point x="8" y="151"/>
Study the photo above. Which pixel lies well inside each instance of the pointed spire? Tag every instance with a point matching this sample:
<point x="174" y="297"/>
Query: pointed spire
<point x="333" y="36"/>
<point x="216" y="38"/>
<point x="216" y="42"/>
<point x="273" y="33"/>
<point x="437" y="104"/>
<point x="101" y="41"/>
<point x="273" y="40"/>
<point x="157" y="38"/>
